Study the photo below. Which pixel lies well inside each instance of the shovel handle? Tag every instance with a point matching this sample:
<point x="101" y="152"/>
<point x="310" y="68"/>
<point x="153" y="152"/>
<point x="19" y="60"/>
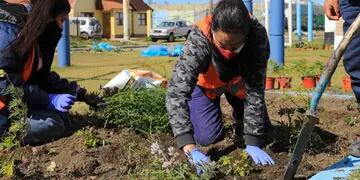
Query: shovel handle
<point x="333" y="63"/>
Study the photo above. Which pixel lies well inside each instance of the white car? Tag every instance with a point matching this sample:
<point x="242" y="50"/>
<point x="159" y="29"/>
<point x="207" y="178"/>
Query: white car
<point x="85" y="27"/>
<point x="170" y="30"/>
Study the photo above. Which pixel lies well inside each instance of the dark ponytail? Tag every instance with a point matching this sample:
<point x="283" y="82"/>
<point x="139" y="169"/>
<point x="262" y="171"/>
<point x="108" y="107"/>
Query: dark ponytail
<point x="231" y="16"/>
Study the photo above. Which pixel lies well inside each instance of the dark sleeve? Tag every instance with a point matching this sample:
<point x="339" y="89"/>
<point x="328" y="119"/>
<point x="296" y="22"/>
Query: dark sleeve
<point x="255" y="111"/>
<point x="54" y="84"/>
<point x="194" y="60"/>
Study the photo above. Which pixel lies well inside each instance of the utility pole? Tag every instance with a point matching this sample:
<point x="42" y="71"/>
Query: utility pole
<point x="298" y="20"/>
<point x="64" y="46"/>
<point x="276" y="32"/>
<point x="126" y="19"/>
<point x="210" y="6"/>
<point x="310" y="21"/>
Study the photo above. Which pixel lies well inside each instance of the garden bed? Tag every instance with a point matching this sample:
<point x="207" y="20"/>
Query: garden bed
<point x="121" y="153"/>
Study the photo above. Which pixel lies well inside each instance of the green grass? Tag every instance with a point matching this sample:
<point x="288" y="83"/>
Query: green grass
<point x="293" y="54"/>
<point x="140" y="41"/>
<point x="94" y="69"/>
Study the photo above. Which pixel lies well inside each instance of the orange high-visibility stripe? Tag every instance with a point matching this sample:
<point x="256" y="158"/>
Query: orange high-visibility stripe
<point x="210" y="80"/>
<point x="28" y="66"/>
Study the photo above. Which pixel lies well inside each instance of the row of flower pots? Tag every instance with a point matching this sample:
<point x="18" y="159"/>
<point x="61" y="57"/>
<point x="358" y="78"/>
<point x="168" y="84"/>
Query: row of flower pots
<point x="309" y="82"/>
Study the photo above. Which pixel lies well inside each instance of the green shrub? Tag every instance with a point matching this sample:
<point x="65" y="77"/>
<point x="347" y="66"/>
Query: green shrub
<point x="142" y="110"/>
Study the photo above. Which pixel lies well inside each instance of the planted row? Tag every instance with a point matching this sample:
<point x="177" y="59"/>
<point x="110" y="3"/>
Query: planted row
<point x="280" y="77"/>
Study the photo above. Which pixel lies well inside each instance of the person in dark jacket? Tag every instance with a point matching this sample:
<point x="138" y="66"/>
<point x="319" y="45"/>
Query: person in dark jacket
<point x="226" y="53"/>
<point x="348" y="10"/>
<point x="29" y="34"/>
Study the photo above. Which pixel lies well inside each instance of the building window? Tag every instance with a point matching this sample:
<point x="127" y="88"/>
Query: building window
<point x="142" y="19"/>
<point x="86" y="14"/>
<point x="119" y="19"/>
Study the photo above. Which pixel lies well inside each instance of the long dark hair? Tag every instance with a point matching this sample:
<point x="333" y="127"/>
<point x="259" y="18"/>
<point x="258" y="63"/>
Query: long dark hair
<point x="43" y="12"/>
<point x="231" y="16"/>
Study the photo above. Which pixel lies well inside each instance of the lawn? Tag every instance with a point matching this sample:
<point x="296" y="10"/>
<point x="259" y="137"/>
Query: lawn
<point x="95" y="69"/>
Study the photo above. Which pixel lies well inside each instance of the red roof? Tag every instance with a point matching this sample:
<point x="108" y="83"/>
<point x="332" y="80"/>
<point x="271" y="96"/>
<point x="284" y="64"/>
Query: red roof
<point x="106" y="5"/>
<point x="137" y="5"/>
<point x="72" y="2"/>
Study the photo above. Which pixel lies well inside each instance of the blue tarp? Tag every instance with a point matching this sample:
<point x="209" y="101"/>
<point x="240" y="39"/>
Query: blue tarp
<point x="103" y="46"/>
<point x="155" y="50"/>
<point x="339" y="170"/>
<point x="162" y="50"/>
<point x="177" y="51"/>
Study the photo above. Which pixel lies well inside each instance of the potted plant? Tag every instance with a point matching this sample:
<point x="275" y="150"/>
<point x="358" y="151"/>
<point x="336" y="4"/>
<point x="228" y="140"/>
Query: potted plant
<point x="270" y="80"/>
<point x="346" y="83"/>
<point x="308" y="74"/>
<point x="282" y="75"/>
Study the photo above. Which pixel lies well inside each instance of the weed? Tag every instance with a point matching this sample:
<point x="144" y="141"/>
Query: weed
<point x="11" y="142"/>
<point x="91" y="140"/>
<point x="351" y="121"/>
<point x="288" y="131"/>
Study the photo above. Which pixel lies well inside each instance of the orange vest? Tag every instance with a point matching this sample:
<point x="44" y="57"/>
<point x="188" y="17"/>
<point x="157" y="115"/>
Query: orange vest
<point x="26" y="73"/>
<point x="210" y="80"/>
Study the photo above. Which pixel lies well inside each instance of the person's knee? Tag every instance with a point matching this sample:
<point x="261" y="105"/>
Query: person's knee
<point x="56" y="126"/>
<point x="206" y="139"/>
<point x="49" y="127"/>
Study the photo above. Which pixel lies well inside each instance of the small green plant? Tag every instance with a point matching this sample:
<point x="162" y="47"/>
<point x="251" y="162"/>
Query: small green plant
<point x="274" y="69"/>
<point x="351" y="121"/>
<point x="91" y="140"/>
<point x="319" y="67"/>
<point x="304" y="68"/>
<point x="141" y="110"/>
<point x="235" y="167"/>
<point x="11" y="142"/>
<point x="288" y="131"/>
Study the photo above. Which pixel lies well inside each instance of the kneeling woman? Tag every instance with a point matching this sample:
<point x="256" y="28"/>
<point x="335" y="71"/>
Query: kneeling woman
<point x="28" y="37"/>
<point x="226" y="53"/>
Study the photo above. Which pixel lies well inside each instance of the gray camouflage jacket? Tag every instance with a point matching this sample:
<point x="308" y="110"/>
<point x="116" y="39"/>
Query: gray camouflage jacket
<point x="250" y="63"/>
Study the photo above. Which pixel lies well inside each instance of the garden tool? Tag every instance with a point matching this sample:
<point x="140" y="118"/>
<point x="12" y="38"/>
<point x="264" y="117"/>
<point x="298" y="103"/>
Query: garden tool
<point x="311" y="115"/>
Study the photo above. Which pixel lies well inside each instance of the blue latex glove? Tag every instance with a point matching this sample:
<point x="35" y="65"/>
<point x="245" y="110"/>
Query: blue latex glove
<point x="61" y="102"/>
<point x="259" y="156"/>
<point x="197" y="158"/>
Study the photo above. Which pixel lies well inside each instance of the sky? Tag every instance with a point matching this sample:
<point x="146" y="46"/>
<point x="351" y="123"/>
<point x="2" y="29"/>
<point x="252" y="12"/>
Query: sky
<point x="204" y="1"/>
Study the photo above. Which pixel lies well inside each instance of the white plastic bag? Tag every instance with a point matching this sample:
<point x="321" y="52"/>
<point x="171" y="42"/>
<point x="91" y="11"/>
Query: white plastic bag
<point x="137" y="79"/>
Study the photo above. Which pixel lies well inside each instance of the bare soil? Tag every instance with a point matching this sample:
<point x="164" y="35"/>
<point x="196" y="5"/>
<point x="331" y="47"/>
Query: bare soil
<point x="127" y="152"/>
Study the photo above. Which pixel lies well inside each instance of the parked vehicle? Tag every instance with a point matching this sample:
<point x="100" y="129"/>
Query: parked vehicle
<point x="170" y="30"/>
<point x="85" y="27"/>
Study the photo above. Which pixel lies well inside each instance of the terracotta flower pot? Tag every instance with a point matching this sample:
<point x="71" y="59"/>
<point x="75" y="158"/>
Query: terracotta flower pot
<point x="284" y="82"/>
<point x="309" y="82"/>
<point x="270" y="82"/>
<point x="346" y="83"/>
